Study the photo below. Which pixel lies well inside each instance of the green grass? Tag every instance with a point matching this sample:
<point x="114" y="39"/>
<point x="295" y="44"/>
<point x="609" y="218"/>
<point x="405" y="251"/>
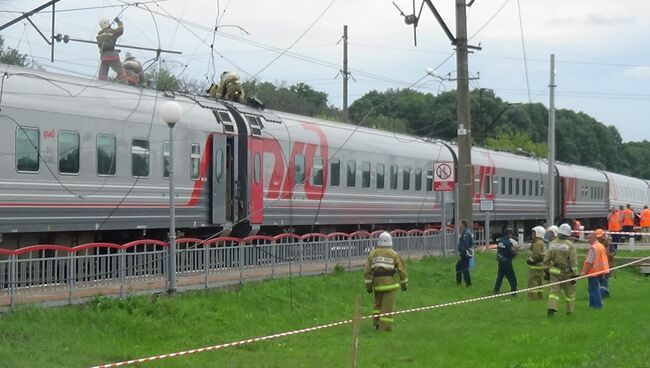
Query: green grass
<point x="505" y="333"/>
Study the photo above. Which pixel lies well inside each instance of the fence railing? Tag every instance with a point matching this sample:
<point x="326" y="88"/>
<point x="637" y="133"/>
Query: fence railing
<point x="59" y="274"/>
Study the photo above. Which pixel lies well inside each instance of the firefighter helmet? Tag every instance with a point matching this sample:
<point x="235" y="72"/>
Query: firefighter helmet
<point x="553" y="230"/>
<point x="385" y="240"/>
<point x="564" y="230"/>
<point x="539" y="232"/>
<point x="104" y="23"/>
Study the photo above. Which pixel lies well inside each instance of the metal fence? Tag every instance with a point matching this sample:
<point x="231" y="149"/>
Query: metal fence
<point x="59" y="274"/>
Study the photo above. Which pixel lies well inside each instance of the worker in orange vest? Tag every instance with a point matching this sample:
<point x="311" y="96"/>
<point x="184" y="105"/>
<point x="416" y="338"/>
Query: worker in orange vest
<point x="645" y="224"/>
<point x="595" y="267"/>
<point x="628" y="221"/>
<point x="614" y="226"/>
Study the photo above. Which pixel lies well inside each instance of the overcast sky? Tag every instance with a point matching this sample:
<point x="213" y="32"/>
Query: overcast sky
<point x="603" y="66"/>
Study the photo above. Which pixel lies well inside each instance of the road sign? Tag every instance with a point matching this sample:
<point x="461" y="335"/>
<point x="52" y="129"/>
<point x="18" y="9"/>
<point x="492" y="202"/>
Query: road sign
<point x="444" y="178"/>
<point x="486" y="205"/>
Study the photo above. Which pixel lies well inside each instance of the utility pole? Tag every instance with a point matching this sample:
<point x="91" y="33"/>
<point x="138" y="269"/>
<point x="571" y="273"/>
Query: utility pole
<point x="463" y="116"/>
<point x="550" y="183"/>
<point x="346" y="75"/>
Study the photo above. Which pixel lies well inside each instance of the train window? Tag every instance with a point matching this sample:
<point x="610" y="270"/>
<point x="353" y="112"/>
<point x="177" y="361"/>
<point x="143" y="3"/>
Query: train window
<point x="27" y="149"/>
<point x="380" y="176"/>
<point x="352" y="173"/>
<point x="165" y="153"/>
<point x="488" y="184"/>
<point x="536" y="188"/>
<point x="523" y="187"/>
<point x="503" y="185"/>
<point x="510" y="186"/>
<point x="219" y="165"/>
<point x="68" y="152"/>
<point x="335" y="173"/>
<point x="418" y="178"/>
<point x="317" y="175"/>
<point x="365" y="174"/>
<point x="257" y="167"/>
<point x="299" y="171"/>
<point x="195" y="161"/>
<point x="406" y="178"/>
<point x="530" y="187"/>
<point x="516" y="186"/>
<point x="106" y="149"/>
<point x="542" y="189"/>
<point x="393" y="177"/>
<point x="429" y="180"/>
<point x="140" y="157"/>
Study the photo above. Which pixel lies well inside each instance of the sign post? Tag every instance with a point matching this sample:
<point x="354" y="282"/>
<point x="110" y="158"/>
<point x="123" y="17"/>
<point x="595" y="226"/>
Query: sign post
<point x="487" y="206"/>
<point x="444" y="180"/>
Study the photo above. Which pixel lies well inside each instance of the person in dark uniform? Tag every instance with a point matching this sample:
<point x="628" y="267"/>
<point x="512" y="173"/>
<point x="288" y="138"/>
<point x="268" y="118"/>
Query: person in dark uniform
<point x="465" y="252"/>
<point x="506" y="251"/>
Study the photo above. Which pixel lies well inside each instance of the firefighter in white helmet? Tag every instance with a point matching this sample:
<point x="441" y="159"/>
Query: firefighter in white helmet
<point x="535" y="263"/>
<point x="562" y="265"/>
<point x="110" y="58"/>
<point x="382" y="266"/>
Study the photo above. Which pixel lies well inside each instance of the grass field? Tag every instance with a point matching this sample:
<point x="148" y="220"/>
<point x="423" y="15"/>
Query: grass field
<point x="503" y="332"/>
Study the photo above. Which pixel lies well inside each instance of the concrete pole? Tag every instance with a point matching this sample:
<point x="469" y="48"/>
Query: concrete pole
<point x="171" y="263"/>
<point x="463" y="116"/>
<point x="345" y="74"/>
<point x="550" y="180"/>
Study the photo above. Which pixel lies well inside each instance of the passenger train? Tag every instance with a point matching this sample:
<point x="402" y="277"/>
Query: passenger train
<point x="84" y="160"/>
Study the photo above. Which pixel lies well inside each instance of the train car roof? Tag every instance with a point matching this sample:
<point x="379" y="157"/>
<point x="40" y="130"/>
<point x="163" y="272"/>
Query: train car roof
<point x="57" y="93"/>
<point x="580" y="172"/>
<point x="362" y="139"/>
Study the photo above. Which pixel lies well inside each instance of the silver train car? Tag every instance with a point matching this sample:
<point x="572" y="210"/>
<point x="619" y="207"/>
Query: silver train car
<point x="86" y="160"/>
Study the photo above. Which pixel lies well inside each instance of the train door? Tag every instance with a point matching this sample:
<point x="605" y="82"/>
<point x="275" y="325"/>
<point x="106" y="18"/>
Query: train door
<point x="222" y="180"/>
<point x="257" y="181"/>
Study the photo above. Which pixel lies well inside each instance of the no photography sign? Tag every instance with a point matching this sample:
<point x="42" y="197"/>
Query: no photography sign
<point x="444" y="178"/>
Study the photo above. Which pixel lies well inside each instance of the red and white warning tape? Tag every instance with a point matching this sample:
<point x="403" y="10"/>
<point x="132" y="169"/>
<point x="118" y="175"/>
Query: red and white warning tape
<point x="340" y="323"/>
<point x="611" y="232"/>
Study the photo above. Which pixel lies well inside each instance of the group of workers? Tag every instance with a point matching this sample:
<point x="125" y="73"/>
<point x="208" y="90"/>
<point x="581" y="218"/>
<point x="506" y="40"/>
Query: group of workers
<point x="623" y="220"/>
<point x="131" y="71"/>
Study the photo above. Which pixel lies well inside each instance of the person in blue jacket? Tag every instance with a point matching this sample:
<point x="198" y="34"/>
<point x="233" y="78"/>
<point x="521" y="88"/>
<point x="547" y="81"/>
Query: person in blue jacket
<point x="465" y="252"/>
<point x="506" y="251"/>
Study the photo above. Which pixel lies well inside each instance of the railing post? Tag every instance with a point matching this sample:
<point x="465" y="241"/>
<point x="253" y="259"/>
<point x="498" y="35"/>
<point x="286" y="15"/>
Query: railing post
<point x="241" y="262"/>
<point x="301" y="250"/>
<point x="274" y="253"/>
<point x="349" y="254"/>
<point x="408" y="246"/>
<point x="327" y="247"/>
<point x="121" y="254"/>
<point x="632" y="242"/>
<point x="71" y="273"/>
<point x="13" y="279"/>
<point x="206" y="264"/>
<point x="443" y="241"/>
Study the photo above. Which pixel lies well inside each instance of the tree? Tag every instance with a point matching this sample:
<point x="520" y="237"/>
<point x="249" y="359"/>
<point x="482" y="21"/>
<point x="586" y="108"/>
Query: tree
<point x="517" y="142"/>
<point x="11" y="56"/>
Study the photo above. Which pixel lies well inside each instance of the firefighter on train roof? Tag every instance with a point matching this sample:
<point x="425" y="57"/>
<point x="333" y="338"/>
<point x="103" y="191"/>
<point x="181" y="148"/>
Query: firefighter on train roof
<point x="381" y="267"/>
<point x="230" y="88"/>
<point x="110" y="58"/>
<point x="134" y="70"/>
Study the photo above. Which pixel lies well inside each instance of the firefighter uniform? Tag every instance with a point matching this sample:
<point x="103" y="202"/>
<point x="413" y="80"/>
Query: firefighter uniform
<point x="535" y="263"/>
<point x="110" y="58"/>
<point x="230" y="88"/>
<point x="562" y="263"/>
<point x="379" y="273"/>
<point x="133" y="70"/>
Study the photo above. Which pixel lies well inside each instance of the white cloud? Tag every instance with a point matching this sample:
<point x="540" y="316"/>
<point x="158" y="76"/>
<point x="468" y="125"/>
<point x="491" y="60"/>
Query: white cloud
<point x="638" y="72"/>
